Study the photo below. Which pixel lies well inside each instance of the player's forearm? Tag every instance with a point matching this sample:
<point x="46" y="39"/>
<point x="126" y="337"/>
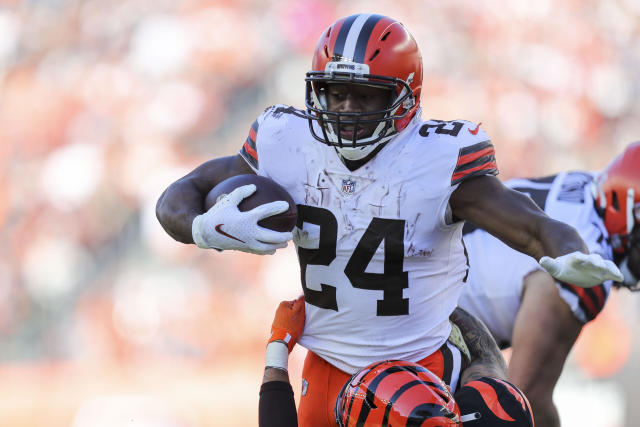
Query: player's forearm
<point x="274" y="374"/>
<point x="553" y="239"/>
<point x="486" y="359"/>
<point x="177" y="207"/>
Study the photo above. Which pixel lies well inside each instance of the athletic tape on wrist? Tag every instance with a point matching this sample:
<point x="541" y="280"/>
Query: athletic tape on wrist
<point x="277" y="355"/>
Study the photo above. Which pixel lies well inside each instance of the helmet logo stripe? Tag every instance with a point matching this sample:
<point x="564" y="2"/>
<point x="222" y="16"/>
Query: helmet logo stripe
<point x="363" y="39"/>
<point x="342" y="36"/>
<point x="352" y="37"/>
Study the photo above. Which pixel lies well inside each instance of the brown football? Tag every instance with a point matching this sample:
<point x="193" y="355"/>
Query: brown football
<point x="267" y="191"/>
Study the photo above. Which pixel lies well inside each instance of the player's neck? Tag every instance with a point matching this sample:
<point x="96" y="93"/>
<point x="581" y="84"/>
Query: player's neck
<point x="356" y="164"/>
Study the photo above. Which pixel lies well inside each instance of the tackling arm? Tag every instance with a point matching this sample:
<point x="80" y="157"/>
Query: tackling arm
<point x="486" y="359"/>
<point x="183" y="200"/>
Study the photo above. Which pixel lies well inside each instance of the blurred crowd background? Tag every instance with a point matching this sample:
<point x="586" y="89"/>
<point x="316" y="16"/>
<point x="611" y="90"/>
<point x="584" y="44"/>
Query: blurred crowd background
<point x="104" y="320"/>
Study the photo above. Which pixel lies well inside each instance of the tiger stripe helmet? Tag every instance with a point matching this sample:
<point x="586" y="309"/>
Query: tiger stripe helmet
<point x="396" y="393"/>
<point x="368" y="49"/>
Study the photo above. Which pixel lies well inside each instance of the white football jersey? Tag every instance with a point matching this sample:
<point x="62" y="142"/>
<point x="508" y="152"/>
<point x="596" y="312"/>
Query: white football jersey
<point x="381" y="267"/>
<point x="496" y="274"/>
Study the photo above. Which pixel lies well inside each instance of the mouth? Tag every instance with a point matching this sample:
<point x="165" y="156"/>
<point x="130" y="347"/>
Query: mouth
<point x="348" y="132"/>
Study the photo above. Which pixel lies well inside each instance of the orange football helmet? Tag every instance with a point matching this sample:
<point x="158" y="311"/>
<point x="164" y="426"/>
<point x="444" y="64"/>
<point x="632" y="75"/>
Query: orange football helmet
<point x="396" y="393"/>
<point x="368" y="49"/>
<point x="618" y="196"/>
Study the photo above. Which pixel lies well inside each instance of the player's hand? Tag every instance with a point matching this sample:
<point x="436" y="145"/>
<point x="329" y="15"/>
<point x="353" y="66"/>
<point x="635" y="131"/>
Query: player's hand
<point x="583" y="270"/>
<point x="224" y="226"/>
<point x="288" y="322"/>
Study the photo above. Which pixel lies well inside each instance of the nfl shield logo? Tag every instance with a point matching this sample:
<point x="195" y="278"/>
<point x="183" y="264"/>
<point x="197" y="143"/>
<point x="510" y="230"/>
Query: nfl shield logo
<point x="348" y="186"/>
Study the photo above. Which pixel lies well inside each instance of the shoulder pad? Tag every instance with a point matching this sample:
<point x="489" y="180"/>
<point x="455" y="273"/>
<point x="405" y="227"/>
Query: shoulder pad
<point x="278" y="110"/>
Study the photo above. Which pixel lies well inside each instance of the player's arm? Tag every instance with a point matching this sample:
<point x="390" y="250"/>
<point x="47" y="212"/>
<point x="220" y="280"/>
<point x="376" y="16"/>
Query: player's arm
<point x="516" y="220"/>
<point x="485" y="394"/>
<point x="180" y="210"/>
<point x="183" y="200"/>
<point x="486" y="358"/>
<point x="277" y="407"/>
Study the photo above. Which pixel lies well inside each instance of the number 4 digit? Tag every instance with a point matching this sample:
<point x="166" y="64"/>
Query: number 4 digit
<point x="393" y="280"/>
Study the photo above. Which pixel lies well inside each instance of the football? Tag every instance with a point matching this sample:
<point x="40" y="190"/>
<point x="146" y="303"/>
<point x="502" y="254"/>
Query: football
<point x="267" y="191"/>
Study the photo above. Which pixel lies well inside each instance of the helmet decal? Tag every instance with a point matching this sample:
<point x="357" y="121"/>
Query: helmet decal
<point x="353" y="38"/>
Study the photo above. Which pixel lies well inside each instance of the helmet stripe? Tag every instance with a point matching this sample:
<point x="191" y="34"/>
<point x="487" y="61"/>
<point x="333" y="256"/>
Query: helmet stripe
<point x="353" y="38"/>
<point x="370" y="369"/>
<point x="342" y="36"/>
<point x="371" y="389"/>
<point x="363" y="39"/>
<point x="400" y="392"/>
<point x="353" y="35"/>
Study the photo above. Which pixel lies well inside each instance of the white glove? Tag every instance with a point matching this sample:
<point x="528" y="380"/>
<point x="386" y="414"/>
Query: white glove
<point x="224" y="226"/>
<point x="581" y="269"/>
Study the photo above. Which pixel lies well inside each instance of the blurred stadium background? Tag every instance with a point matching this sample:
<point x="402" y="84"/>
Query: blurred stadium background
<point x="106" y="321"/>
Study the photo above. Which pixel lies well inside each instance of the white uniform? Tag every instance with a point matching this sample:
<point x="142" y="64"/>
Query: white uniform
<point x="381" y="268"/>
<point x="496" y="274"/>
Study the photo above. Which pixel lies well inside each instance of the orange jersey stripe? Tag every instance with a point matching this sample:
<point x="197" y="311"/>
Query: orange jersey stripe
<point x="468" y="158"/>
<point x="250" y="150"/>
<point x="599" y="291"/>
<point x="487" y="166"/>
<point x="252" y="134"/>
<point x="593" y="310"/>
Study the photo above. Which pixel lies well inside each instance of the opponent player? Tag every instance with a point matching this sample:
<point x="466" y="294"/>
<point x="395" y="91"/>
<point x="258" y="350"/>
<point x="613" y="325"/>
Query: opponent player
<point x="523" y="305"/>
<point x="381" y="199"/>
<point x="397" y="392"/>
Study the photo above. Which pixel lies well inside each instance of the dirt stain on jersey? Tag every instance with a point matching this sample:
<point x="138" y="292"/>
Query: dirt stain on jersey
<point x="413" y="251"/>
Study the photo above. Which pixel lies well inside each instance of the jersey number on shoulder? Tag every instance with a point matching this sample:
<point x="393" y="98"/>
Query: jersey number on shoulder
<point x="392" y="281"/>
<point x="446" y="128"/>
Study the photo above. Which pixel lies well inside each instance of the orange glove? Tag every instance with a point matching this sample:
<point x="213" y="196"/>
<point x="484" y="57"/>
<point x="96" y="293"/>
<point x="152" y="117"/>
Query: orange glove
<point x="288" y="322"/>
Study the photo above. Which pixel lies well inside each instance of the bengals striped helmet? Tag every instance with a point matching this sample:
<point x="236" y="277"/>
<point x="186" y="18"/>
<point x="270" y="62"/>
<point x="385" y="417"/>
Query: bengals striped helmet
<point x="618" y="196"/>
<point x="368" y="49"/>
<point x="396" y="393"/>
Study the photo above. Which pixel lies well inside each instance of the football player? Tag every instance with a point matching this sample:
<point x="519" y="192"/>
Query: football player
<point x="524" y="307"/>
<point x="382" y="196"/>
<point x="397" y="392"/>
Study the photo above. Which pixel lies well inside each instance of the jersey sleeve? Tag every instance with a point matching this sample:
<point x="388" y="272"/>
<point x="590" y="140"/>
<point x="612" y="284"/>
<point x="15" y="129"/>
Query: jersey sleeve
<point x="249" y="150"/>
<point x="476" y="156"/>
<point x="266" y="133"/>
